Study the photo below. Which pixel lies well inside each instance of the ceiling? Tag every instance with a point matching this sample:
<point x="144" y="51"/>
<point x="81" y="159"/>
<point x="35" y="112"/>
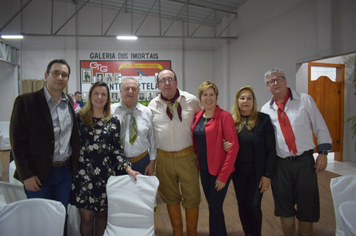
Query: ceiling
<point x="205" y="12"/>
<point x="218" y="14"/>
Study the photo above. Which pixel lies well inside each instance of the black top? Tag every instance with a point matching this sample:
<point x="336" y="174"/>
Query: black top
<point x="199" y="133"/>
<point x="246" y="154"/>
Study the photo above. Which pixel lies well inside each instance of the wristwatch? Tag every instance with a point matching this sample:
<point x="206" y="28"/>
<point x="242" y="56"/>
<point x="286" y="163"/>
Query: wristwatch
<point x="324" y="152"/>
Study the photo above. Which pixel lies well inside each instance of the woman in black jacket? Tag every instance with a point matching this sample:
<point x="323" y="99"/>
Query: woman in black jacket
<point x="256" y="160"/>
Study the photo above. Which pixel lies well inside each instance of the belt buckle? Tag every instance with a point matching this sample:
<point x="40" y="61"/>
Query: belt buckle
<point x="290" y="158"/>
<point x="57" y="164"/>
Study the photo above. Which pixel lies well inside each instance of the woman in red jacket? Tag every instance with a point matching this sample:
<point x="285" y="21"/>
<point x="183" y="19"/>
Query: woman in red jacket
<point x="211" y="126"/>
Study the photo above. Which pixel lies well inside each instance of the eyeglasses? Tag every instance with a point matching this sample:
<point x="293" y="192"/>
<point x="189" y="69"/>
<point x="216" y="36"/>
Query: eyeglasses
<point x="273" y="81"/>
<point x="57" y="73"/>
<point x="163" y="81"/>
<point x="133" y="89"/>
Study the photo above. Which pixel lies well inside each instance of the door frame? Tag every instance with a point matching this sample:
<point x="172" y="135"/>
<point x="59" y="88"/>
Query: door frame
<point x="340" y="77"/>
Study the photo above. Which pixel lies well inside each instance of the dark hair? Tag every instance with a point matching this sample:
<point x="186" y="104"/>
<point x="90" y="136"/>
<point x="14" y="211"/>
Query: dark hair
<point x="60" y="61"/>
<point x="77" y="92"/>
<point x="175" y="76"/>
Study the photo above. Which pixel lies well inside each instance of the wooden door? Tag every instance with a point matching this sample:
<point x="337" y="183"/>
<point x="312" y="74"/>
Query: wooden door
<point x="329" y="97"/>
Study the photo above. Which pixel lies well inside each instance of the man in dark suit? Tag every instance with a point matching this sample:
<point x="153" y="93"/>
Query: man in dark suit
<point x="45" y="138"/>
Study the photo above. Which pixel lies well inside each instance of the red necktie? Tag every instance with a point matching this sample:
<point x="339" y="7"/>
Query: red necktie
<point x="285" y="125"/>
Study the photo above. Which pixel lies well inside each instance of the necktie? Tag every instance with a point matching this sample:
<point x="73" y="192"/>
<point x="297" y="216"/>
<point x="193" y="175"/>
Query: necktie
<point x="172" y="101"/>
<point x="285" y="125"/>
<point x="132" y="126"/>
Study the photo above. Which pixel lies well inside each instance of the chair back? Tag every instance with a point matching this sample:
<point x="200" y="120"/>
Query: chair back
<point x="12" y="192"/>
<point x="343" y="189"/>
<point x="33" y="217"/>
<point x="131" y="205"/>
<point x="348" y="217"/>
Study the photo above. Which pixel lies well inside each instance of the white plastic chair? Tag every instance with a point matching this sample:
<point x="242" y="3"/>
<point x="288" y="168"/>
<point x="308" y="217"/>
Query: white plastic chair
<point x="73" y="222"/>
<point x="12" y="192"/>
<point x="12" y="168"/>
<point x="131" y="205"/>
<point x="348" y="217"/>
<point x="343" y="189"/>
<point x="32" y="217"/>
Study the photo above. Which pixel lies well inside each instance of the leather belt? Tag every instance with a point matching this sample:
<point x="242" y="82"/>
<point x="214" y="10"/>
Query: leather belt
<point x="178" y="154"/>
<point x="60" y="163"/>
<point x="138" y="158"/>
<point x="304" y="155"/>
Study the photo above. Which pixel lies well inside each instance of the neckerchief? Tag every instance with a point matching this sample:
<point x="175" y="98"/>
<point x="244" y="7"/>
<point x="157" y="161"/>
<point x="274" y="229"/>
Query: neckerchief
<point x="132" y="127"/>
<point x="169" y="110"/>
<point x="285" y="125"/>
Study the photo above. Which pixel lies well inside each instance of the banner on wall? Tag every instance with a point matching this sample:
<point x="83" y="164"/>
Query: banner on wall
<point x="112" y="72"/>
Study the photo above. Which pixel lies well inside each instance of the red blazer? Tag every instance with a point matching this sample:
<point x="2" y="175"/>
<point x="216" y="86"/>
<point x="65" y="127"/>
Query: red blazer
<point x="221" y="126"/>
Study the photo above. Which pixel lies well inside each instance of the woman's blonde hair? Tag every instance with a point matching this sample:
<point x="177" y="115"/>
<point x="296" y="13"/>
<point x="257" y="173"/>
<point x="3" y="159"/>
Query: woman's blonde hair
<point x="206" y="85"/>
<point x="86" y="113"/>
<point x="236" y="115"/>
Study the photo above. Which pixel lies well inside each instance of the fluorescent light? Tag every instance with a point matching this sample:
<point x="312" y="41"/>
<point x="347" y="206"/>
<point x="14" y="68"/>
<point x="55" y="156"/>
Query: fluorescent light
<point x="126" y="37"/>
<point x="12" y="36"/>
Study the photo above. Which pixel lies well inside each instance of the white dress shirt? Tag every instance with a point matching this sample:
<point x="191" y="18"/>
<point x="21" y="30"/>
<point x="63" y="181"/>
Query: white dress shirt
<point x="145" y="138"/>
<point x="304" y="117"/>
<point x="174" y="135"/>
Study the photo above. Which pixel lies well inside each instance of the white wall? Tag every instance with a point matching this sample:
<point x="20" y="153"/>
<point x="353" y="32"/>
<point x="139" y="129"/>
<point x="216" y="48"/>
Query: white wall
<point x="285" y="34"/>
<point x="7" y="90"/>
<point x="274" y="33"/>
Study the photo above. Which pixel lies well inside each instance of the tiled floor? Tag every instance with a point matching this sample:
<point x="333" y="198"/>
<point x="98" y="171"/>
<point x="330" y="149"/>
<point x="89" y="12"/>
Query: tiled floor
<point x="341" y="168"/>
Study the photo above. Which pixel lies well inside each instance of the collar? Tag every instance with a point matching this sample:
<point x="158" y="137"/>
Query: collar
<point x="181" y="94"/>
<point x="138" y="106"/>
<point x="49" y="97"/>
<point x="292" y="95"/>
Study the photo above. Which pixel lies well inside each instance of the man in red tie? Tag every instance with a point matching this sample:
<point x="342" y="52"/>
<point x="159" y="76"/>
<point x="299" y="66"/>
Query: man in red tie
<point x="173" y="115"/>
<point x="295" y="186"/>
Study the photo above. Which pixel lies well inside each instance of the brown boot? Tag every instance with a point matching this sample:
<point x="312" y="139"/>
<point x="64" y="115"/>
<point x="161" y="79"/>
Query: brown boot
<point x="191" y="216"/>
<point x="175" y="215"/>
<point x="305" y="228"/>
<point x="288" y="225"/>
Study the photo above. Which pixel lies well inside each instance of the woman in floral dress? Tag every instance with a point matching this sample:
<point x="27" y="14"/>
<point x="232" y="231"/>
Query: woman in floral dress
<point x="101" y="156"/>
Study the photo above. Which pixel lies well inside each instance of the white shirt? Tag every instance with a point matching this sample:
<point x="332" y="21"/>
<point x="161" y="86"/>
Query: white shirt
<point x="174" y="135"/>
<point x="145" y="138"/>
<point x="304" y="117"/>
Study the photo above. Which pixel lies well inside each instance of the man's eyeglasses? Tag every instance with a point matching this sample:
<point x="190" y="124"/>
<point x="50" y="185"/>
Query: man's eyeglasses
<point x="133" y="89"/>
<point x="57" y="73"/>
<point x="273" y="81"/>
<point x="163" y="81"/>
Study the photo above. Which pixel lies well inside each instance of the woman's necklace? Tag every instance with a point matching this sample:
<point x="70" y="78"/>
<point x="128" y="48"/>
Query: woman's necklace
<point x="206" y="120"/>
<point x="245" y="118"/>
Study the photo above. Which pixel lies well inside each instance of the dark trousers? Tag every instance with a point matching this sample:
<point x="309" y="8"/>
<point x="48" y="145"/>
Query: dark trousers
<point x="295" y="183"/>
<point x="249" y="199"/>
<point x="57" y="187"/>
<point x="141" y="165"/>
<point x="215" y="201"/>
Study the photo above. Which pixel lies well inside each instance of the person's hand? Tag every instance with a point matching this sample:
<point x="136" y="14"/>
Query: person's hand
<point x="150" y="168"/>
<point x="227" y="145"/>
<point x="321" y="163"/>
<point x="219" y="185"/>
<point x="132" y="172"/>
<point x="264" y="184"/>
<point x="32" y="184"/>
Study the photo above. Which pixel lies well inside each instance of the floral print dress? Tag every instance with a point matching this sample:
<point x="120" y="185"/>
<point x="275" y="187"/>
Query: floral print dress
<point x="101" y="155"/>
